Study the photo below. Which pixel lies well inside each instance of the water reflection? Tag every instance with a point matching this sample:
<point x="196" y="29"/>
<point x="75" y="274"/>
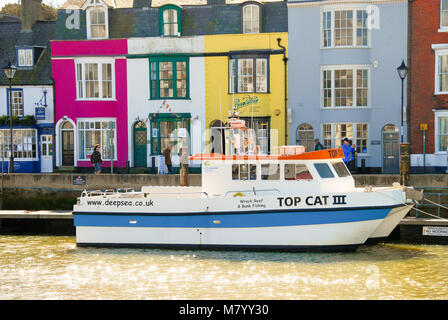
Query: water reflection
<point x="39" y="267"/>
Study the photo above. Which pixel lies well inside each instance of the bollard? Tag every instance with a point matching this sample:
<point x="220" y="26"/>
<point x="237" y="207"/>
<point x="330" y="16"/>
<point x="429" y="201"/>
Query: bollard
<point x="404" y="164"/>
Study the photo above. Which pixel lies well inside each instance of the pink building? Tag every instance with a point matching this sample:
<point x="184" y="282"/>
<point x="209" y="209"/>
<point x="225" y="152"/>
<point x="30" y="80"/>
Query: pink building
<point x="91" y="102"/>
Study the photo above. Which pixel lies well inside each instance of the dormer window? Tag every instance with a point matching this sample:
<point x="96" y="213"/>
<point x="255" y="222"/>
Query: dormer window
<point x="170" y="21"/>
<point x="252" y="18"/>
<point x="97" y="20"/>
<point x="25" y="57"/>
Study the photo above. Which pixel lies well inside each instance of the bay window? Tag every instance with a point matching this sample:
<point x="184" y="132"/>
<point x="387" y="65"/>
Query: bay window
<point x="248" y="75"/>
<point x="97" y="131"/>
<point x="346" y="86"/>
<point x="441" y="131"/>
<point x="344" y="28"/>
<point x="443" y="14"/>
<point x="357" y="133"/>
<point x="95" y="80"/>
<point x="170" y="129"/>
<point x="169" y="78"/>
<point x="24" y="143"/>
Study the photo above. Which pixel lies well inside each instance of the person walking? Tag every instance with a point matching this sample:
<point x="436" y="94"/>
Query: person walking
<point x="318" y="145"/>
<point x="349" y="150"/>
<point x="184" y="167"/>
<point x="167" y="155"/>
<point x="95" y="159"/>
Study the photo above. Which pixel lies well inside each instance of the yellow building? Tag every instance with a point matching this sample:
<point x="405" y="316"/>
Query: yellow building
<point x="246" y="73"/>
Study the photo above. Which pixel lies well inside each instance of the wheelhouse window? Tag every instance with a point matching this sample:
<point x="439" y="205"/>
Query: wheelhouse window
<point x="297" y="172"/>
<point x="244" y="171"/>
<point x="248" y="74"/>
<point x="25" y="57"/>
<point x="102" y="132"/>
<point x="323" y="170"/>
<point x="270" y="171"/>
<point x="95" y="80"/>
<point x="345" y="87"/>
<point x="341" y="169"/>
<point x="169" y="129"/>
<point x="24" y="143"/>
<point x="251" y="18"/>
<point x="170" y="21"/>
<point x="16" y="102"/>
<point x="344" y="28"/>
<point x="169" y="78"/>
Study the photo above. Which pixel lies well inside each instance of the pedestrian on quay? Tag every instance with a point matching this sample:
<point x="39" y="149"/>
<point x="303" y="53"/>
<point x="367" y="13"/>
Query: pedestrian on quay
<point x="318" y="145"/>
<point x="349" y="150"/>
<point x="96" y="160"/>
<point x="184" y="166"/>
<point x="167" y="155"/>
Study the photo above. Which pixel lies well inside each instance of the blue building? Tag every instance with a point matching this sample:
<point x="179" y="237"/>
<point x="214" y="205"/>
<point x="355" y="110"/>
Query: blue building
<point x="26" y="44"/>
<point x="343" y="81"/>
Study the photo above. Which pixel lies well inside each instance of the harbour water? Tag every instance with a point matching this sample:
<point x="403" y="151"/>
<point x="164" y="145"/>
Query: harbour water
<point x="52" y="267"/>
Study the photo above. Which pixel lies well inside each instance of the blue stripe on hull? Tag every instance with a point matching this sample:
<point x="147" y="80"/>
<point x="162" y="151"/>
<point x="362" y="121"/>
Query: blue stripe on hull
<point x="237" y="220"/>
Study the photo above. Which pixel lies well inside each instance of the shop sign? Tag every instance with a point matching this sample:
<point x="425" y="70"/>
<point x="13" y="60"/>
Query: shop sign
<point x="245" y="101"/>
<point x="40" y="113"/>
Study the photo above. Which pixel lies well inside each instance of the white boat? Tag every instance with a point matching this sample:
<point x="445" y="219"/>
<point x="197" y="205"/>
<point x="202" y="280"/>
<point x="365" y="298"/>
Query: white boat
<point x="295" y="201"/>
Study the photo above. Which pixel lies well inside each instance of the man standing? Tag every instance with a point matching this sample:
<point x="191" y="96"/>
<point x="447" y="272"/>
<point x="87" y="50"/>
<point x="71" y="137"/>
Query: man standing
<point x="167" y="155"/>
<point x="348" y="152"/>
<point x="184" y="167"/>
<point x="318" y="145"/>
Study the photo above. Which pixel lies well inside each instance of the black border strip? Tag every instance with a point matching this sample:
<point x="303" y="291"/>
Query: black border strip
<point x="319" y="248"/>
<point x="228" y="212"/>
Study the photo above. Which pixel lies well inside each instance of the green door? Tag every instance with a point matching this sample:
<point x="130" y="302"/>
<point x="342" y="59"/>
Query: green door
<point x="140" y="145"/>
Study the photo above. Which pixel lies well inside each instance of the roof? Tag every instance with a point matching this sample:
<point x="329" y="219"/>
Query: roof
<point x="11" y="37"/>
<point x="327" y="154"/>
<point x="7" y="17"/>
<point x="134" y="3"/>
<point x="217" y="17"/>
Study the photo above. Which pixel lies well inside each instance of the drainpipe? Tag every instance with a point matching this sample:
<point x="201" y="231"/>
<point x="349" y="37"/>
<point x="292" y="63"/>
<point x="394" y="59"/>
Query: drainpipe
<point x="285" y="61"/>
<point x="53" y="84"/>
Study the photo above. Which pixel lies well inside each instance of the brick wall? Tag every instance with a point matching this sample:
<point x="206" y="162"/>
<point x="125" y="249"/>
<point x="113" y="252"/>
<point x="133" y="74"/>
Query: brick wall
<point x="424" y="33"/>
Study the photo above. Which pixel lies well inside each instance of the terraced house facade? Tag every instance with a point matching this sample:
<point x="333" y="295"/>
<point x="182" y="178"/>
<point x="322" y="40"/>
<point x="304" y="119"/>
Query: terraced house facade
<point x="137" y="76"/>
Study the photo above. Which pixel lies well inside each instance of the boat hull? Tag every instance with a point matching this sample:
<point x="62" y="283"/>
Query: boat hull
<point x="390" y="222"/>
<point x="293" y="230"/>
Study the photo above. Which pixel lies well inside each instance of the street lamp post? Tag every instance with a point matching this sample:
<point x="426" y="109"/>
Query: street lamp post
<point x="402" y="72"/>
<point x="10" y="71"/>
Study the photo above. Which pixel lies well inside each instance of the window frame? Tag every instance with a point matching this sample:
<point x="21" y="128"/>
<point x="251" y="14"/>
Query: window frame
<point x="6" y="143"/>
<point x="332" y="90"/>
<point x="99" y="63"/>
<point x="438" y="53"/>
<point x="332" y="10"/>
<point x="163" y="117"/>
<point x="438" y="114"/>
<point x="354" y="138"/>
<point x="162" y="23"/>
<point x="173" y="60"/>
<point x="18" y="57"/>
<point x="234" y="79"/>
<point x="260" y="16"/>
<point x="442" y="28"/>
<point x="78" y="130"/>
<point x="96" y="5"/>
<point x="12" y="90"/>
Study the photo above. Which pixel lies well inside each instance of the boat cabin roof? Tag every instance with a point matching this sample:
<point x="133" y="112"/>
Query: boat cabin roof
<point x="326" y="154"/>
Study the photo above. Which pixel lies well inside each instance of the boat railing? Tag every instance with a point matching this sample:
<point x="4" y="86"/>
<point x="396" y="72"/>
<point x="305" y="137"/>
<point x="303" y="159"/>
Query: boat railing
<point x="254" y="191"/>
<point x="129" y="192"/>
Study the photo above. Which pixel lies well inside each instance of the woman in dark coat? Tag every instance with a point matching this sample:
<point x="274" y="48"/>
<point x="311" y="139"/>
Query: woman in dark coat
<point x="96" y="159"/>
